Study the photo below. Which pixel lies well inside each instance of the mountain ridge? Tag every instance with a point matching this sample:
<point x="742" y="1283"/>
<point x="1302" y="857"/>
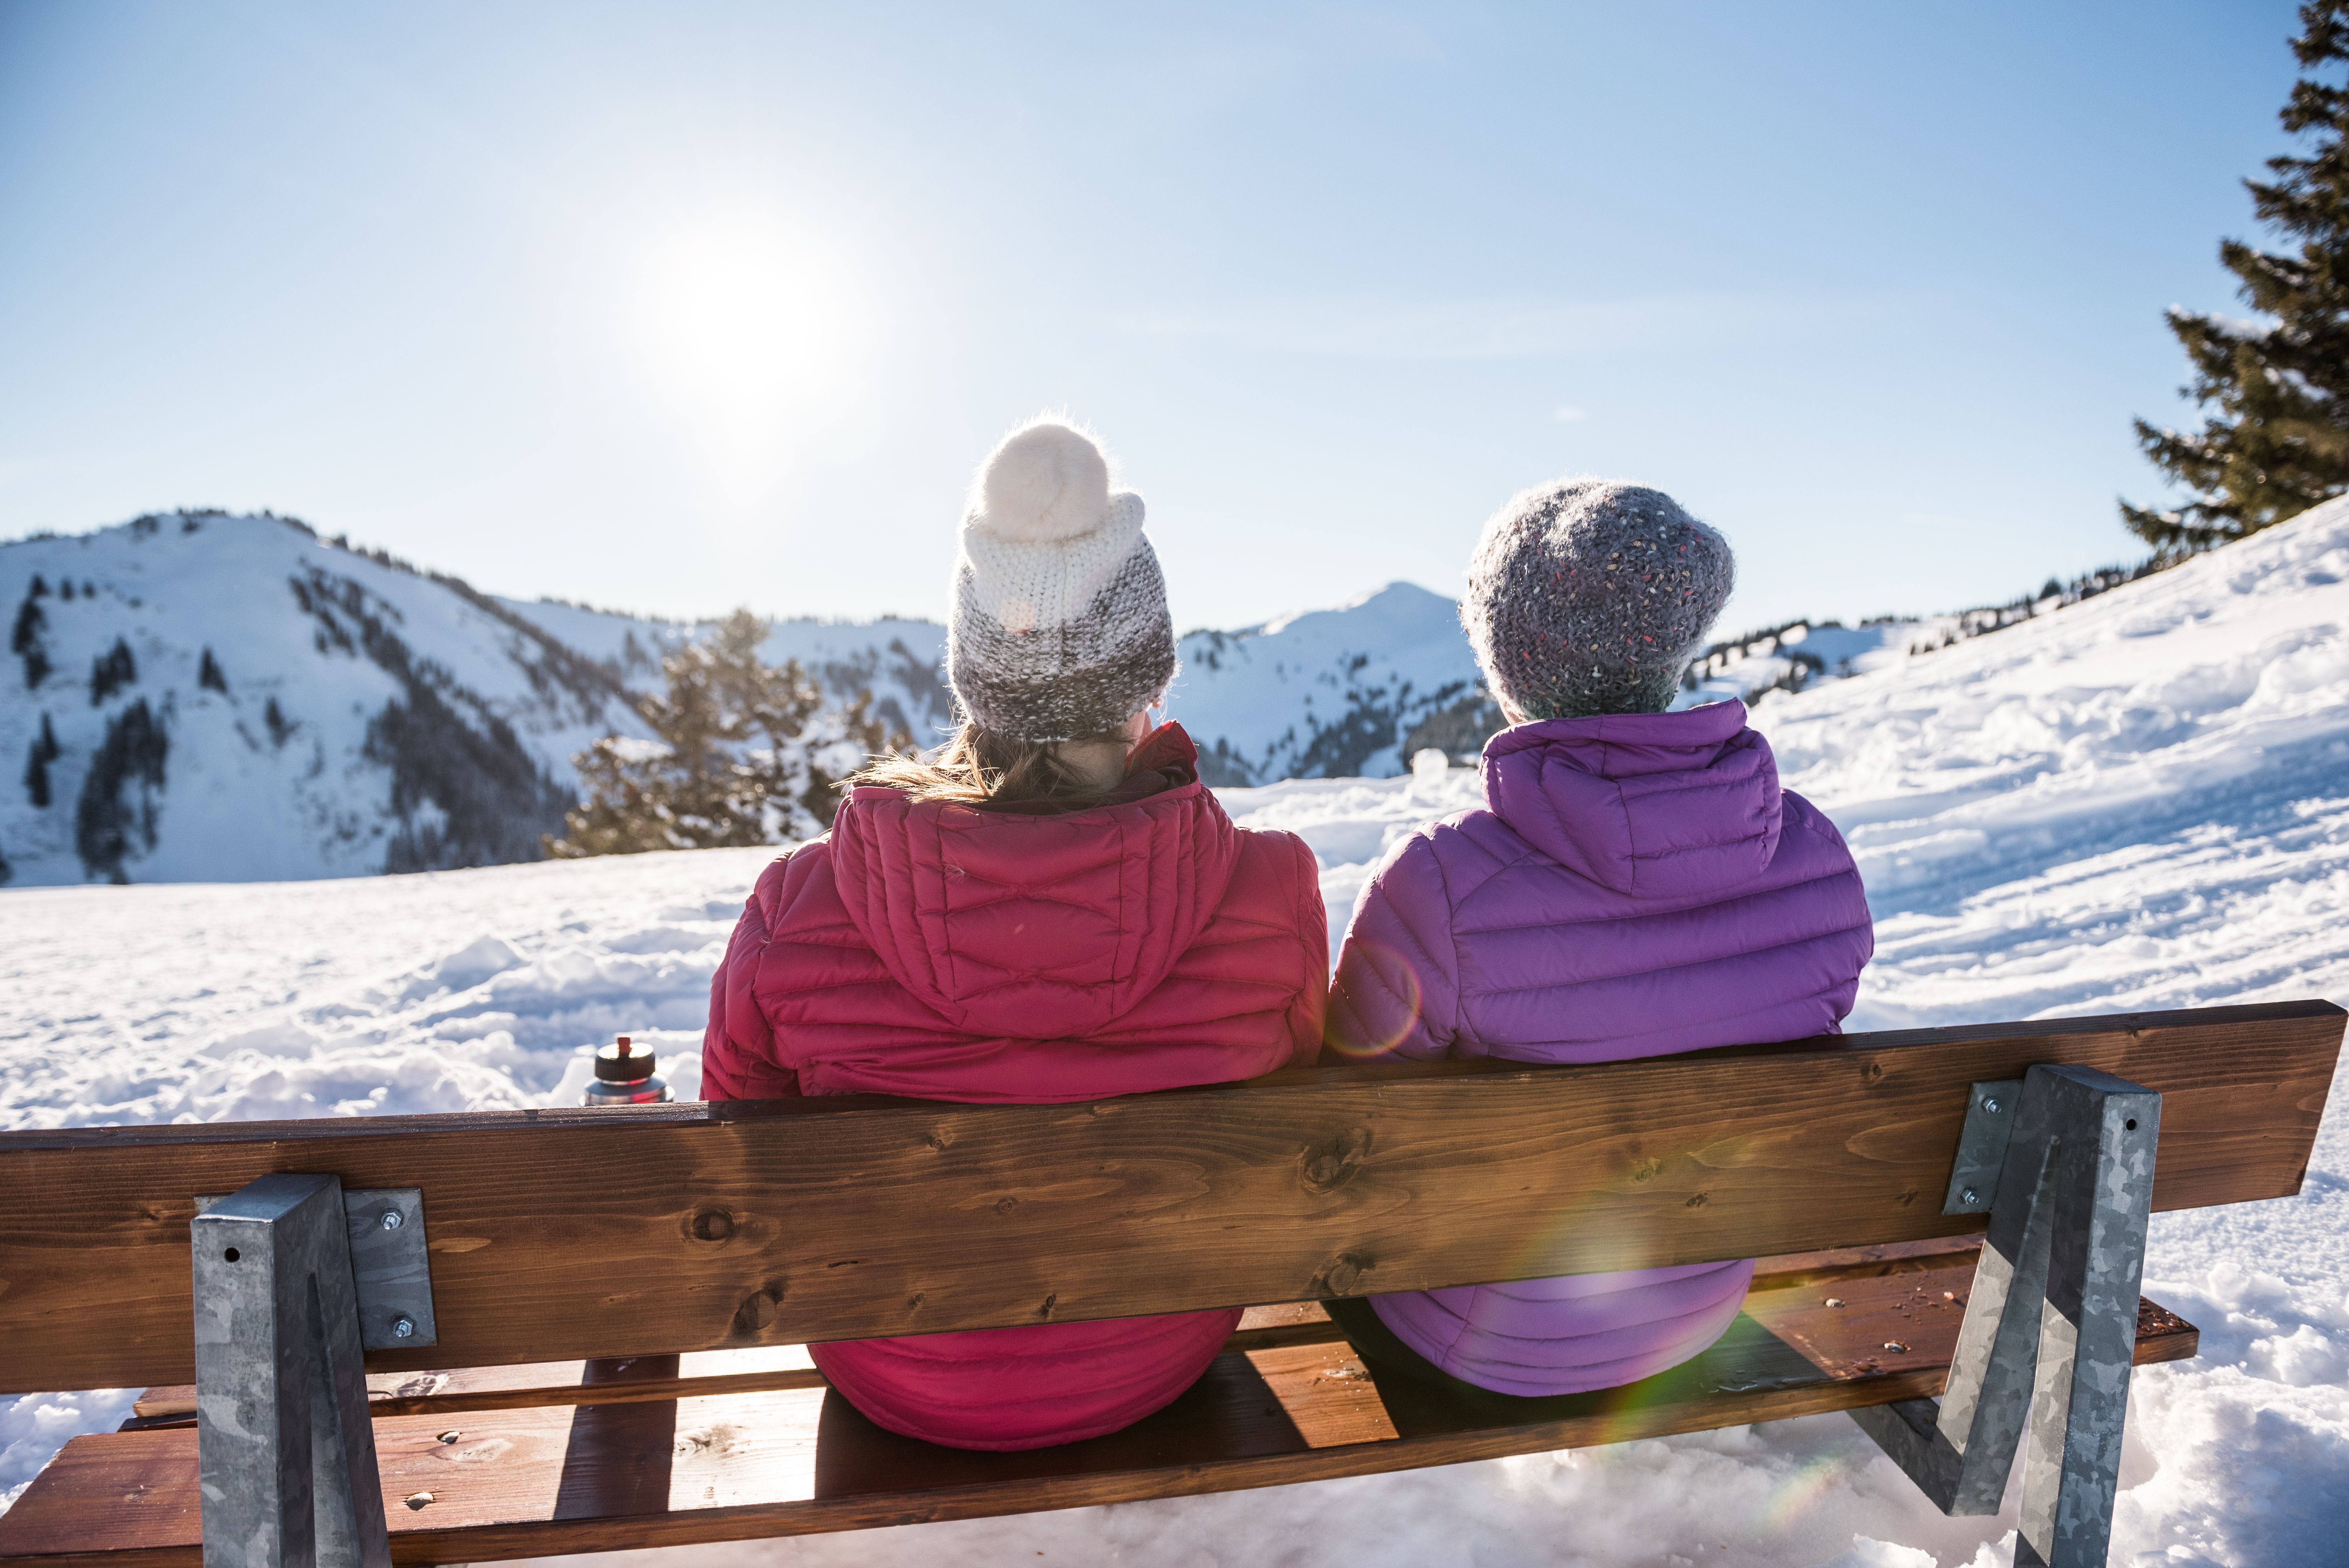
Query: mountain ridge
<point x="262" y="702"/>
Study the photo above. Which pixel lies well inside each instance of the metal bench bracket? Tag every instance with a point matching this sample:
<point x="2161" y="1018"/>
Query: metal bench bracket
<point x="1981" y="1147"/>
<point x="285" y="1453"/>
<point x="389" y="1266"/>
<point x="2050" y="1325"/>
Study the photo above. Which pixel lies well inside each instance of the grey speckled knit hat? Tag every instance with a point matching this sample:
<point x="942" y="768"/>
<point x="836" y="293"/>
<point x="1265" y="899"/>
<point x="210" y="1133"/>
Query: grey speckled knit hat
<point x="1588" y="596"/>
<point x="1060" y="629"/>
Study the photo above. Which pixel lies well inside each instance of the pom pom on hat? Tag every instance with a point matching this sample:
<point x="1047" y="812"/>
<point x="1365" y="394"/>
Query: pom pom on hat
<point x="1048" y="481"/>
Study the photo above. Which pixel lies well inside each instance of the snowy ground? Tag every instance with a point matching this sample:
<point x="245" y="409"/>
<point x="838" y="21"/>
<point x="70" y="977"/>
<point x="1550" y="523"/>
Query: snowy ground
<point x="2141" y="801"/>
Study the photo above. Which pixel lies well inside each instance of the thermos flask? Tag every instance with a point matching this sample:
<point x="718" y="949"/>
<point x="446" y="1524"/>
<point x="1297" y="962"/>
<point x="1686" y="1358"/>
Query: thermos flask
<point x="624" y="1076"/>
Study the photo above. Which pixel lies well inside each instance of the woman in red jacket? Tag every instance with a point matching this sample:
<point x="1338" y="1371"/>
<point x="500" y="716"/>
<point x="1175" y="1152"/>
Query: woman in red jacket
<point x="1051" y="908"/>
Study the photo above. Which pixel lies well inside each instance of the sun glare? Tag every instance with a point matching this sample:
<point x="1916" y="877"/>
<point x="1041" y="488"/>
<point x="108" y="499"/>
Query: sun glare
<point x="748" y="325"/>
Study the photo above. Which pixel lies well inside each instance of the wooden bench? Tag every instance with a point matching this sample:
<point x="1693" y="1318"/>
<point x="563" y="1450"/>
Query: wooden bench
<point x="603" y="1308"/>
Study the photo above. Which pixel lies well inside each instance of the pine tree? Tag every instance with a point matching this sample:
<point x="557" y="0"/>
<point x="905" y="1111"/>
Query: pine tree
<point x="747" y="753"/>
<point x="116" y="816"/>
<point x="28" y="640"/>
<point x="2277" y="441"/>
<point x="43" y="751"/>
<point x="111" y="671"/>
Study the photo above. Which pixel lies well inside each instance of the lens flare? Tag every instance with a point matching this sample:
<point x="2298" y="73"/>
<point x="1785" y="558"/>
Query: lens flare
<point x="1800" y="1491"/>
<point x="1381" y="991"/>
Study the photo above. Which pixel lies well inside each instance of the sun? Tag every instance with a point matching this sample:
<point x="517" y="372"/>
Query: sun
<point x="749" y="322"/>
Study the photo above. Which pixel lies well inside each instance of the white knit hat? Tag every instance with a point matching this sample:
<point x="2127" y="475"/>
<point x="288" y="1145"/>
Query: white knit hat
<point x="1059" y="628"/>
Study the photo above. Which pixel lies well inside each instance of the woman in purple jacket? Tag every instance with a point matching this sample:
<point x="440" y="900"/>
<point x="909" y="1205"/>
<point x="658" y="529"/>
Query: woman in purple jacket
<point x="1637" y="884"/>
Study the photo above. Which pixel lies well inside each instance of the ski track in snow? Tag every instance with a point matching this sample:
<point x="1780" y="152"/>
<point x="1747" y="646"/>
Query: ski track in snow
<point x="2140" y="801"/>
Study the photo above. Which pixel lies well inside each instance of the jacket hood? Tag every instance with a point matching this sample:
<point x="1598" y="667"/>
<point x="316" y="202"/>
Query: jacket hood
<point x="998" y="920"/>
<point x="1664" y="805"/>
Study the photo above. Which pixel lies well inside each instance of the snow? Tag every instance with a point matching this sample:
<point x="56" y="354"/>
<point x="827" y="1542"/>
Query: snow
<point x="2141" y="800"/>
<point x="313" y="791"/>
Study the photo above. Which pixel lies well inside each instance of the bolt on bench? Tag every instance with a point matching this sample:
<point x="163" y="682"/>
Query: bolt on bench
<point x="458" y="1338"/>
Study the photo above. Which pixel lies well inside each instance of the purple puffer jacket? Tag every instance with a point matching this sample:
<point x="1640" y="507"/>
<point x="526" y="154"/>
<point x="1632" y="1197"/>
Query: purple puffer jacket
<point x="1637" y="885"/>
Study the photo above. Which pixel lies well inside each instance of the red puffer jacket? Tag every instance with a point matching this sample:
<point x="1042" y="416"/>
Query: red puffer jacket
<point x="945" y="952"/>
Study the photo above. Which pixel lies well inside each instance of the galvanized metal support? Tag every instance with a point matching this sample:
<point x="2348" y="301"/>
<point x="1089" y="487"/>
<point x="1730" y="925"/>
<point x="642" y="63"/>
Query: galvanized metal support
<point x="285" y="1453"/>
<point x="2051" y="1325"/>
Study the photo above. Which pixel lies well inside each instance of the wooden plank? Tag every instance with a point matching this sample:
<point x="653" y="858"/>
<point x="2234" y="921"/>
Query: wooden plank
<point x="688" y="1228"/>
<point x="628" y="1380"/>
<point x="457" y="1390"/>
<point x="1847" y="1262"/>
<point x="519" y="1483"/>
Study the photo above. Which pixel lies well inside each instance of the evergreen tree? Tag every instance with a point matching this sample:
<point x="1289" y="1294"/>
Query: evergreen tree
<point x="747" y="754"/>
<point x="44" y="750"/>
<point x="2277" y="439"/>
<point x="111" y="671"/>
<point x="208" y="674"/>
<point x="29" y="642"/>
<point x="116" y="817"/>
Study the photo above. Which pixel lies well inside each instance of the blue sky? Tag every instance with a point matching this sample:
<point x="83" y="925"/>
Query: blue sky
<point x="674" y="307"/>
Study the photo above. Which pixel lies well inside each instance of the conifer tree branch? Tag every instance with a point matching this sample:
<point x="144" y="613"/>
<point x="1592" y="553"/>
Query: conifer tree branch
<point x="2275" y="438"/>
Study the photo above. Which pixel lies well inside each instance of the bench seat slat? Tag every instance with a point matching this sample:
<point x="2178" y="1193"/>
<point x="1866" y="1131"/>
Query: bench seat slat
<point x="577" y="1478"/>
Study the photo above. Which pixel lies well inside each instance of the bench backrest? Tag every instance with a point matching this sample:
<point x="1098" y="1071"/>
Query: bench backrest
<point x="642" y="1229"/>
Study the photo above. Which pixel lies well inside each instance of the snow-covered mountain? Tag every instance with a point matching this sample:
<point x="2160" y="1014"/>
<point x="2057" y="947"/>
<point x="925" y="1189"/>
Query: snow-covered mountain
<point x="1332" y="694"/>
<point x="195" y="696"/>
<point x="198" y="697"/>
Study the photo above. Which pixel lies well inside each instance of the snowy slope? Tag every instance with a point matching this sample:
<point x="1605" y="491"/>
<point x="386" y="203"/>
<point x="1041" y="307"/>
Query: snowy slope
<point x="2134" y="786"/>
<point x="2138" y="802"/>
<point x="353" y="717"/>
